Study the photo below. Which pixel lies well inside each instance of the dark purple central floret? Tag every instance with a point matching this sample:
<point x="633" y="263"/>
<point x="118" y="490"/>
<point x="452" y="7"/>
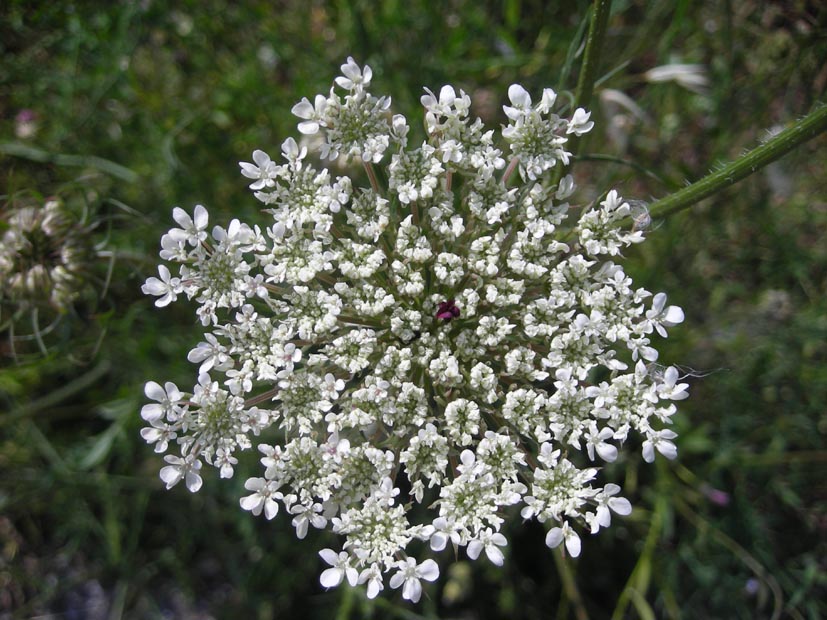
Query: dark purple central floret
<point x="447" y="310"/>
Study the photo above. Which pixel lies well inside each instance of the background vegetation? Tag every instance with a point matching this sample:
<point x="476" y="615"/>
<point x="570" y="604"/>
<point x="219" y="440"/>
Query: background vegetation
<point x="139" y="106"/>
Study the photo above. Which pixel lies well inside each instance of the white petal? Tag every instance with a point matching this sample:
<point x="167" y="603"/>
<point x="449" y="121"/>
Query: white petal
<point x="289" y="148"/>
<point x="331" y="577"/>
<point x="447" y="95"/>
<point x="554" y="537"/>
<point x="495" y="555"/>
<point x="301" y="525"/>
<point x="150" y="434"/>
<point x="674" y="315"/>
<point x="607" y="452"/>
<point x="519" y="96"/>
<point x="202" y="218"/>
<point x="352" y="575"/>
<point x="181" y="217"/>
<point x="153" y="286"/>
<point x="438" y="541"/>
<point x="474" y="549"/>
<point x="152" y="412"/>
<point x="620" y="505"/>
<point x="303" y="109"/>
<point x="164" y="301"/>
<point x="251" y="172"/>
<point x="573" y="544"/>
<point x="154" y="391"/>
<point x="199" y="354"/>
<point x="412" y="590"/>
<point x="374" y="587"/>
<point x="308" y="128"/>
<point x="658" y="301"/>
<point x="548" y="99"/>
<point x="329" y="556"/>
<point x="193" y="481"/>
<point x="250" y="502"/>
<point x="397" y="579"/>
<point x="611" y="489"/>
<point x="668" y="449"/>
<point x="271" y="509"/>
<point x="428" y="570"/>
<point x="171" y="475"/>
<point x="261" y="158"/>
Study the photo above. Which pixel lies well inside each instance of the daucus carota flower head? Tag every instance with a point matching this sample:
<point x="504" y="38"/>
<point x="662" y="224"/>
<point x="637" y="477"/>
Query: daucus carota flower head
<point x="44" y="254"/>
<point x="413" y="358"/>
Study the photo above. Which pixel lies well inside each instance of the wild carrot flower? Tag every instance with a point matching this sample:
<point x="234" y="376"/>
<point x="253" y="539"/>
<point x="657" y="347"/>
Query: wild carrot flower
<point x="44" y="254"/>
<point x="414" y="357"/>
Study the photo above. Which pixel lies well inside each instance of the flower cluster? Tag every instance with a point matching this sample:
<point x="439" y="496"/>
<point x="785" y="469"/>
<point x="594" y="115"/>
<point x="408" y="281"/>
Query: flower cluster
<point x="44" y="252"/>
<point x="414" y="357"/>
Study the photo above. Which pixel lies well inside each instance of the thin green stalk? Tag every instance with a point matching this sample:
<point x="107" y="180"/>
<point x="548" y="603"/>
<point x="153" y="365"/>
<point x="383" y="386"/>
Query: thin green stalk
<point x="588" y="71"/>
<point x="591" y="59"/>
<point x="634" y="592"/>
<point x="572" y="594"/>
<point x="57" y="395"/>
<point x="742" y="554"/>
<point x="15" y="149"/>
<point x="779" y="145"/>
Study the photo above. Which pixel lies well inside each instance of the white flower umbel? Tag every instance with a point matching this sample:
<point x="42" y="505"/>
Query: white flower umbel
<point x="423" y="353"/>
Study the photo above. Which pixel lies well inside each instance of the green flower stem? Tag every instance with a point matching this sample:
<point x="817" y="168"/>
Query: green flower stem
<point x="706" y="528"/>
<point x="591" y="59"/>
<point x="588" y="72"/>
<point x="635" y="589"/>
<point x="572" y="594"/>
<point x="807" y="128"/>
<point x="24" y="151"/>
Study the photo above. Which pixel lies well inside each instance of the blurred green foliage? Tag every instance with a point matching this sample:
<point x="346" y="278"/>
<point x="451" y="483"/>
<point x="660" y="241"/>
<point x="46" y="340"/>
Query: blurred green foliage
<point x="157" y="102"/>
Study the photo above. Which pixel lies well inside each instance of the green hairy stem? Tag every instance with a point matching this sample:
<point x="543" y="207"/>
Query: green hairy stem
<point x="779" y="145"/>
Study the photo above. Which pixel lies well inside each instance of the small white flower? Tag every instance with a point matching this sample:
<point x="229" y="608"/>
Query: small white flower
<point x="341" y="569"/>
<point x="409" y="575"/>
<point x="660" y="441"/>
<point x="182" y="469"/>
<point x="167" y="397"/>
<point x="580" y="123"/>
<point x="193" y="229"/>
<point x="264" y="496"/>
<point x="166" y="288"/>
<point x="520" y="102"/>
<point x="596" y="441"/>
<point x="607" y="504"/>
<point x="670" y="389"/>
<point x="442" y="532"/>
<point x="307" y="516"/>
<point x="662" y="315"/>
<point x="264" y="171"/>
<point x="373" y="577"/>
<point x="557" y="535"/>
<point x="354" y="77"/>
<point x="313" y="113"/>
<point x="489" y="542"/>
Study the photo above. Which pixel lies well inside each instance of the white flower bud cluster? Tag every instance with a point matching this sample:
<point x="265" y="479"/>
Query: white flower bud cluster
<point x="44" y="254"/>
<point x="418" y="356"/>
